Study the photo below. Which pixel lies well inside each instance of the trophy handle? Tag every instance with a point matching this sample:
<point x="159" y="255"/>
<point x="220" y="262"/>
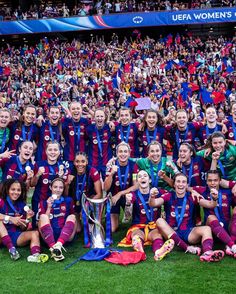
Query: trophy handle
<point x="96" y="201"/>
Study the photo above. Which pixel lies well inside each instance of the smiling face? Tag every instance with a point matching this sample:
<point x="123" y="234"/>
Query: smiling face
<point x="26" y="151"/>
<point x="99" y="118"/>
<point x="29" y="115"/>
<point x="123" y="153"/>
<point x="151" y="120"/>
<point x="57" y="188"/>
<point x="5" y="118"/>
<point x="14" y="191"/>
<point x="154" y="153"/>
<point x="54" y="116"/>
<point x="218" y="144"/>
<point x="52" y="152"/>
<point x="181" y="120"/>
<point x="180" y="185"/>
<point x="80" y="163"/>
<point x="213" y="181"/>
<point x="184" y="153"/>
<point x="125" y="117"/>
<point x="76" y="111"/>
<point x="143" y="179"/>
<point x="211" y="115"/>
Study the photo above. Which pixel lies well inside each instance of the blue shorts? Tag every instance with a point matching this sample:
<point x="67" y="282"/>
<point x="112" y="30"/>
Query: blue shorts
<point x="14" y="237"/>
<point x="120" y="203"/>
<point x="183" y="234"/>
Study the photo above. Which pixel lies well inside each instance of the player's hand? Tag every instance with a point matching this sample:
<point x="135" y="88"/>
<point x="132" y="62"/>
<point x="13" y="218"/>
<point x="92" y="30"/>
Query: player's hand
<point x="70" y="179"/>
<point x="196" y="195"/>
<point x="30" y="174"/>
<point x="214" y="194"/>
<point x="161" y="174"/>
<point x="7" y="153"/>
<point x="30" y="214"/>
<point x="111" y="162"/>
<point x="179" y="163"/>
<point x="50" y="202"/>
<point x="233" y="190"/>
<point x="216" y="155"/>
<point x="41" y="170"/>
<point x="114" y="169"/>
<point x="40" y="120"/>
<point x="115" y="198"/>
<point x="128" y="198"/>
<point x="207" y="152"/>
<point x="18" y="221"/>
<point x="153" y="192"/>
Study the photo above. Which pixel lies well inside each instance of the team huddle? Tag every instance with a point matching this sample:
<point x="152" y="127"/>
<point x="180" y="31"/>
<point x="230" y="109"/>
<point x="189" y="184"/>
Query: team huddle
<point x="160" y="171"/>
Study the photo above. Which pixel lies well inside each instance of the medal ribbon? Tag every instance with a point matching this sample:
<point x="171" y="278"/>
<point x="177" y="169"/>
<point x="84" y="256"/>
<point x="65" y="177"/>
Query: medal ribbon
<point x="126" y="138"/>
<point x="218" y="209"/>
<point x="52" y="168"/>
<point x="155" y="180"/>
<point x="149" y="214"/>
<point x="77" y="131"/>
<point x="79" y="192"/>
<point x="29" y="133"/>
<point x="222" y="169"/>
<point x="190" y="172"/>
<point x="120" y="176"/>
<point x="149" y="137"/>
<point x="99" y="142"/>
<point x="52" y="133"/>
<point x="87" y="242"/>
<point x="178" y="136"/>
<point x="108" y="240"/>
<point x="208" y="130"/>
<point x="11" y="205"/>
<point x="179" y="216"/>
<point x="20" y="166"/>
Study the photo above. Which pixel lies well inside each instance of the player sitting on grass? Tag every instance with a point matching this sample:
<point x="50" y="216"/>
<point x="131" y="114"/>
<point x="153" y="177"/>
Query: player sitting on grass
<point x="219" y="219"/>
<point x="180" y="223"/>
<point x="144" y="230"/>
<point x="14" y="219"/>
<point x="57" y="219"/>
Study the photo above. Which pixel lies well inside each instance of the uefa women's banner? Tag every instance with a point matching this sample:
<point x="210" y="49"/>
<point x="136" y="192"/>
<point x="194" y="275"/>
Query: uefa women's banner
<point x="113" y="21"/>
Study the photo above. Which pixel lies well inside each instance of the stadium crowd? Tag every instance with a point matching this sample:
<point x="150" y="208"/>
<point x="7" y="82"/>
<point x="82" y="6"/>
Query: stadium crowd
<point x="85" y="8"/>
<point x="151" y="121"/>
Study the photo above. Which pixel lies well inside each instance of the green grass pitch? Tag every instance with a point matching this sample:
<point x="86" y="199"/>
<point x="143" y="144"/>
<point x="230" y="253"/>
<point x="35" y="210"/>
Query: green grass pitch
<point x="177" y="273"/>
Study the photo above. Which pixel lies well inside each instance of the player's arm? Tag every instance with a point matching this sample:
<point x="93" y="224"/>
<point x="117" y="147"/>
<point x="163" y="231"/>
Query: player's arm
<point x="203" y="202"/>
<point x="98" y="189"/>
<point x="153" y="201"/>
<point x="118" y="195"/>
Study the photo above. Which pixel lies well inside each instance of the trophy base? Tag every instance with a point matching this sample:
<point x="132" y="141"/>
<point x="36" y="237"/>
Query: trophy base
<point x="98" y="243"/>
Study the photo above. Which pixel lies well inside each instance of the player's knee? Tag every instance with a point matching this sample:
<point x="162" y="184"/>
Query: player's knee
<point x="211" y="218"/>
<point x="160" y="222"/>
<point x="206" y="230"/>
<point x="35" y="235"/>
<point x="43" y="218"/>
<point x="71" y="218"/>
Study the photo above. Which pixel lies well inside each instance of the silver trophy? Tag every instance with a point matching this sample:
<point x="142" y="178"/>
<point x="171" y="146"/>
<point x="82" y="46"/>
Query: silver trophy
<point x="93" y="209"/>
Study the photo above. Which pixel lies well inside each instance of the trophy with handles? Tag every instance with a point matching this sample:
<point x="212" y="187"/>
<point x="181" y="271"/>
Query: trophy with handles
<point x="93" y="209"/>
